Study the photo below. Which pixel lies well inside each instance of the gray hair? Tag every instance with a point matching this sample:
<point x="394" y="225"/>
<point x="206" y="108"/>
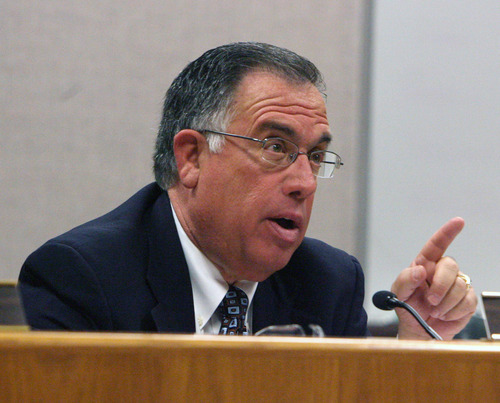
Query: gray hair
<point x="201" y="96"/>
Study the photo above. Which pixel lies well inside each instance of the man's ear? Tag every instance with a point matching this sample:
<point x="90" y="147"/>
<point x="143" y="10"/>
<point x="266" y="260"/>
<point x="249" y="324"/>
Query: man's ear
<point x="188" y="146"/>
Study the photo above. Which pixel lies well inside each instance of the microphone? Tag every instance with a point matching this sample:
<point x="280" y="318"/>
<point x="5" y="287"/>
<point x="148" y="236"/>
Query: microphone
<point x="387" y="301"/>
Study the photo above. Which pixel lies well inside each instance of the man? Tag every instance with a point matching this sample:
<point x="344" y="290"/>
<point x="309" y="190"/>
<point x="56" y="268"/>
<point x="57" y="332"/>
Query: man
<point x="243" y="138"/>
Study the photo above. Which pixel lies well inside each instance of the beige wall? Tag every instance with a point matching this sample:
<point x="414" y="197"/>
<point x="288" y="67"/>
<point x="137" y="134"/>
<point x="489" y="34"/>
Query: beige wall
<point x="81" y="87"/>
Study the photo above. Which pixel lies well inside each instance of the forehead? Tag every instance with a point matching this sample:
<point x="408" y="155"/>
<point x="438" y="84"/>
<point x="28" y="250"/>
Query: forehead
<point x="262" y="97"/>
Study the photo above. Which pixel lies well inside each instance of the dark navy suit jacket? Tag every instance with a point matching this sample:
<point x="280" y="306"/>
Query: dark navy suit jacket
<point x="126" y="271"/>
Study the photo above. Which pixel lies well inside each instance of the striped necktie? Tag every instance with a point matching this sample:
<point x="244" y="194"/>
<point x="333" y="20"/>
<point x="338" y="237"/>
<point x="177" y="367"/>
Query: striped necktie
<point x="233" y="309"/>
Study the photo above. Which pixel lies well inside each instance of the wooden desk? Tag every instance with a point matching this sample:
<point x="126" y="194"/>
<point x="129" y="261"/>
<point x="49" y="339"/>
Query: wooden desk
<point x="85" y="367"/>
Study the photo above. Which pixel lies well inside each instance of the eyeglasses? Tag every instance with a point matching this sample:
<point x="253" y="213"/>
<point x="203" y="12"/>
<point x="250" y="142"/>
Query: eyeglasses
<point x="283" y="152"/>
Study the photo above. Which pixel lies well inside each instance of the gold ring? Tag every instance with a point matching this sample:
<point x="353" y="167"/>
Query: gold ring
<point x="466" y="278"/>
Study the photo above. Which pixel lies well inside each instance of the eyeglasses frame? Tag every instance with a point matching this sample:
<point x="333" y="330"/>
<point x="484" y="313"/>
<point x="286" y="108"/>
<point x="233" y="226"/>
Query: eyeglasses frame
<point x="294" y="156"/>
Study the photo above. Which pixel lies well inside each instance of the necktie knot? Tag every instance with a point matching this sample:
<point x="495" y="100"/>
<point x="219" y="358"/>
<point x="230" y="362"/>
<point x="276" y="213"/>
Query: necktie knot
<point x="233" y="310"/>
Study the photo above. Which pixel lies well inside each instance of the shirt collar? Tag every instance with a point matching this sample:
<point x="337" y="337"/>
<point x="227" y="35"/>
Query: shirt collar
<point x="208" y="285"/>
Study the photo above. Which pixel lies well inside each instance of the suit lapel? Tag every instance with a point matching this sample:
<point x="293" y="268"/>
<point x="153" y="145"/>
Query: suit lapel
<point x="278" y="301"/>
<point x="272" y="304"/>
<point x="168" y="274"/>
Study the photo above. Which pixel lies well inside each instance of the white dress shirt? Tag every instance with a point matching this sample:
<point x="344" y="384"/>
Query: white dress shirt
<point x="209" y="287"/>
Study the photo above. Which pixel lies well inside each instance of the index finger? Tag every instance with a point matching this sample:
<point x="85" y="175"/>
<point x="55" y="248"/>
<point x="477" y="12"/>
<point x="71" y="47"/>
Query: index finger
<point x="436" y="246"/>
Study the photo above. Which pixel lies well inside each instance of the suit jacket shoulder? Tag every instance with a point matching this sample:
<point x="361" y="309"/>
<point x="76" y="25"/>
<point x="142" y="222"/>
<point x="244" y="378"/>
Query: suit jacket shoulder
<point x="99" y="275"/>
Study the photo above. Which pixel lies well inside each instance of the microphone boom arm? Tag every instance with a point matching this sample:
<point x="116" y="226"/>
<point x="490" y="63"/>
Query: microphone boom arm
<point x="419" y="319"/>
<point x="387" y="301"/>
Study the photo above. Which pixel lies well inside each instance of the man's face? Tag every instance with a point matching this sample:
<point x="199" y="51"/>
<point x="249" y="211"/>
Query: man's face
<point x="250" y="215"/>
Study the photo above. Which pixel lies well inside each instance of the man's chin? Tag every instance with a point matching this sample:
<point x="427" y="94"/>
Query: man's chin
<point x="264" y="270"/>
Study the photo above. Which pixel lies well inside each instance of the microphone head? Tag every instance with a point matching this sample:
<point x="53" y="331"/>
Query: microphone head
<point x="384" y="300"/>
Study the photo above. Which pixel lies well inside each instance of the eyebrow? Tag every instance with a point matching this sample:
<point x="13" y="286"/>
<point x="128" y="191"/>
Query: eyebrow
<point x="325" y="138"/>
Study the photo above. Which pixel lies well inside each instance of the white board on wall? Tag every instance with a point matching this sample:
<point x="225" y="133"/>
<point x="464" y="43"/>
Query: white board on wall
<point x="435" y="136"/>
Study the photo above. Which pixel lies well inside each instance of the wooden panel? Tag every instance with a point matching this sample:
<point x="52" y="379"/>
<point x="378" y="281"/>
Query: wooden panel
<point x="103" y="367"/>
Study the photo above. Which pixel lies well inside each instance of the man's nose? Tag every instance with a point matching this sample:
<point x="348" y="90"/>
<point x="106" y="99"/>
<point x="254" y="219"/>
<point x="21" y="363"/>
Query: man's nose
<point x="300" y="181"/>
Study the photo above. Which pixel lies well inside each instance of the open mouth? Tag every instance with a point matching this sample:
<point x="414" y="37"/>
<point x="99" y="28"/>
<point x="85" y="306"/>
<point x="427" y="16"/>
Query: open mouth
<point x="285" y="223"/>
